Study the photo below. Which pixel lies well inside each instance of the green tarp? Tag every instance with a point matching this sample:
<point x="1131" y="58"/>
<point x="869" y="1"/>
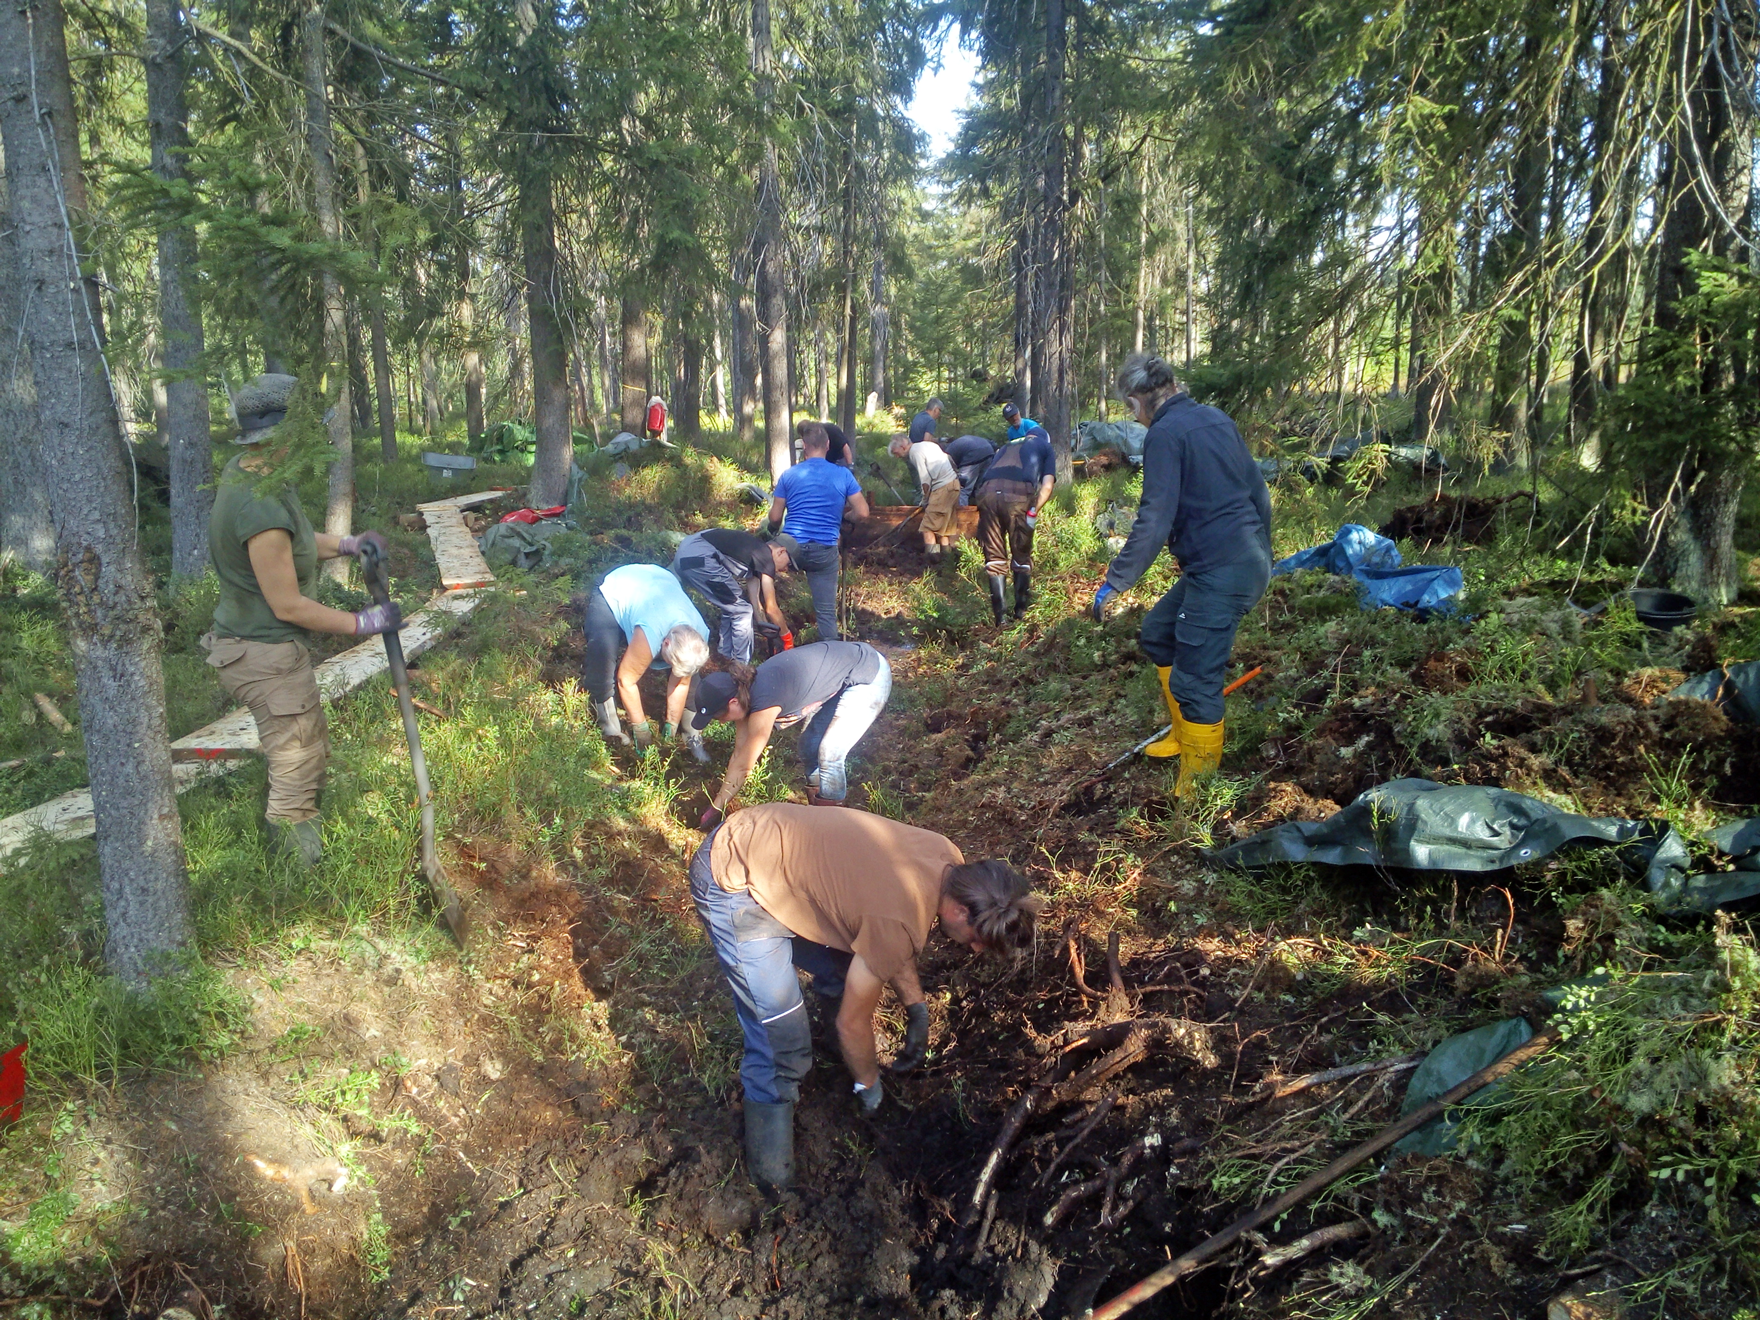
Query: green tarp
<point x="1446" y="1067"/>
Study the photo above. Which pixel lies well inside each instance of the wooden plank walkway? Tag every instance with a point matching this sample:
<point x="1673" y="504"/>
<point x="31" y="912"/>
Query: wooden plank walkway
<point x="212" y="749"/>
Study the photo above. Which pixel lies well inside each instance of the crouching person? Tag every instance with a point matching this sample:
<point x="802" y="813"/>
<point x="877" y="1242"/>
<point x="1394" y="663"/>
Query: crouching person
<point x="850" y="898"/>
<point x="640" y="611"/>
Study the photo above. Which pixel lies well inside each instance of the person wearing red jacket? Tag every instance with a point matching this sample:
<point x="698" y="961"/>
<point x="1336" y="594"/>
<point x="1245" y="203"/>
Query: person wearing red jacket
<point x="656" y="419"/>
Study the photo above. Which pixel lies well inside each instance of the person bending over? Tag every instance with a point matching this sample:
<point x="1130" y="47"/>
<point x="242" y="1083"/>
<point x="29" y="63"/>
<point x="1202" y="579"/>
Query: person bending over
<point x="839" y="688"/>
<point x="809" y="503"/>
<point x="1009" y="495"/>
<point x="738" y="571"/>
<point x="849" y="897"/>
<point x="939" y="484"/>
<point x="265" y="553"/>
<point x="641" y="611"/>
<point x="969" y="455"/>
<point x="1204" y="500"/>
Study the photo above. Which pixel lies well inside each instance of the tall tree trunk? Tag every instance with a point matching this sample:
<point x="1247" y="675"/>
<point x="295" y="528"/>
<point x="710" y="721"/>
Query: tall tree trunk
<point x="1058" y="389"/>
<point x="1432" y="302"/>
<point x="472" y="357"/>
<point x="384" y="395"/>
<point x="1142" y="257"/>
<point x="846" y="321"/>
<point x="550" y="412"/>
<point x="433" y="414"/>
<point x="26" y="530"/>
<point x="687" y="400"/>
<point x="745" y="347"/>
<point x="879" y="327"/>
<point x="321" y="147"/>
<point x="1191" y="280"/>
<point x="821" y="367"/>
<point x="1517" y="254"/>
<point x="185" y="433"/>
<point x="720" y="361"/>
<point x="106" y="597"/>
<point x="637" y="386"/>
<point x="360" y="390"/>
<point x="767" y="258"/>
<point x="1025" y="309"/>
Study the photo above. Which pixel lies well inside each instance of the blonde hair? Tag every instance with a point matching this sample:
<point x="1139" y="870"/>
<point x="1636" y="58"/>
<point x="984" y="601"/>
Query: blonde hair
<point x="684" y="650"/>
<point x="1004" y="911"/>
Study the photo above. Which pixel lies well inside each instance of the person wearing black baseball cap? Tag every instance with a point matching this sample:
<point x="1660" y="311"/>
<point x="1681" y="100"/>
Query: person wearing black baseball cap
<point x="839" y="688"/>
<point x="1009" y="495"/>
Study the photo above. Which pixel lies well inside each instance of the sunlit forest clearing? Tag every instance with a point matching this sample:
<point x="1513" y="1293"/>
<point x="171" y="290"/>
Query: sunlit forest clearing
<point x="355" y="959"/>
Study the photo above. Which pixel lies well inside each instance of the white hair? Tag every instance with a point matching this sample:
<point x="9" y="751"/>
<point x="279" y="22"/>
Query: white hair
<point x="684" y="650"/>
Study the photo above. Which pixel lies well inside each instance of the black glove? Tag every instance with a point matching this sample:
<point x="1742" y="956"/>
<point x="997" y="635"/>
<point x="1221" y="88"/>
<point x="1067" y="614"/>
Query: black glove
<point x="916" y="1039"/>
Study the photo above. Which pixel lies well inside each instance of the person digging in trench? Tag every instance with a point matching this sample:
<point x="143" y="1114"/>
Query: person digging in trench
<point x="630" y="607"/>
<point x="265" y="554"/>
<point x="850" y="898"/>
<point x="839" y="688"/>
<point x="738" y="571"/>
<point x="1009" y="495"/>
<point x="1205" y="500"/>
<point x="939" y="483"/>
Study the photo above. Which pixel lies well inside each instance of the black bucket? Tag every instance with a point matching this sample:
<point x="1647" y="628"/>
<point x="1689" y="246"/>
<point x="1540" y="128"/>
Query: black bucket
<point x="1662" y="610"/>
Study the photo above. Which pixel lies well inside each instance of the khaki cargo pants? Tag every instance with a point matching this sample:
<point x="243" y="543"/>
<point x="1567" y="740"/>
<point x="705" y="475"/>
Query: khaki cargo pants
<point x="275" y="680"/>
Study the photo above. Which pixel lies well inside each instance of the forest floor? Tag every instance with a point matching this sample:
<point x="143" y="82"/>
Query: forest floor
<point x="341" y="1114"/>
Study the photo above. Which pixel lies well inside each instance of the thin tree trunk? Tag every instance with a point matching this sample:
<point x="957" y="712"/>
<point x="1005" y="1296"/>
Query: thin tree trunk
<point x="26" y="530"/>
<point x="879" y="327"/>
<point x="1142" y="258"/>
<point x="633" y="405"/>
<point x="846" y="321"/>
<point x="185" y="431"/>
<point x="550" y="411"/>
<point x="745" y="347"/>
<point x="320" y="146"/>
<point x="1058" y="389"/>
<point x="821" y="367"/>
<point x="360" y="391"/>
<point x="1191" y="280"/>
<point x="720" y="363"/>
<point x="687" y="400"/>
<point x="106" y="597"/>
<point x="767" y="258"/>
<point x="385" y="396"/>
<point x="433" y="414"/>
<point x="1025" y="310"/>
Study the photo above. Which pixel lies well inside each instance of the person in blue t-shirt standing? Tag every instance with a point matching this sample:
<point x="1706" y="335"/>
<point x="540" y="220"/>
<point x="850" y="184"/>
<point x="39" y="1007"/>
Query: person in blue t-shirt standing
<point x="1009" y="495"/>
<point x="809" y="503"/>
<point x="924" y="423"/>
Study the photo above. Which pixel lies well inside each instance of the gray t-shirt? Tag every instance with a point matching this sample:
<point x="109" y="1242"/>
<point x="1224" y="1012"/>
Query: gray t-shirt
<point x="800" y="681"/>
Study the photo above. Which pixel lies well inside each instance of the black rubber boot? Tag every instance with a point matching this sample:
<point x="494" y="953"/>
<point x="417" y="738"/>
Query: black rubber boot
<point x="996" y="597"/>
<point x="1023" y="590"/>
<point x="770" y="1144"/>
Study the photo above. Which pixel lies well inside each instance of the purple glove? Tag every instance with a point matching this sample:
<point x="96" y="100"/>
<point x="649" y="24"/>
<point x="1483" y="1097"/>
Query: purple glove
<point x="711" y="818"/>
<point x="380" y="619"/>
<point x="351" y="545"/>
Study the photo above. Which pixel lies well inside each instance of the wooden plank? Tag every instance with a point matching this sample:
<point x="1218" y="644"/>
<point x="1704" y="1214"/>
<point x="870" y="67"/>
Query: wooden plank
<point x="455" y="550"/>
<point x="463" y="501"/>
<point x="70" y="815"/>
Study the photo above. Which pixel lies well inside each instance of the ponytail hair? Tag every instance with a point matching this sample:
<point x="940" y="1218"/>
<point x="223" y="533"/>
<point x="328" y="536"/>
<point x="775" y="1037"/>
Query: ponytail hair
<point x="743" y="675"/>
<point x="1004" y="911"/>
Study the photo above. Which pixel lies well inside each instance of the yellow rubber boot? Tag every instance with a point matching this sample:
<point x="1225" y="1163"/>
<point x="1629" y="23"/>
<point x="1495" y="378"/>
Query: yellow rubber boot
<point x="1168" y="746"/>
<point x="1203" y="753"/>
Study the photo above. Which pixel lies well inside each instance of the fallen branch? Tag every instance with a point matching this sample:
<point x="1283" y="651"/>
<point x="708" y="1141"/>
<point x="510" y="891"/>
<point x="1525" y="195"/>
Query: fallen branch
<point x="1130" y="1041"/>
<point x="1100" y="1111"/>
<point x="52" y="713"/>
<point x="1077" y="964"/>
<point x="419" y="704"/>
<point x="1275" y="1258"/>
<point x="1180" y="1266"/>
<point x="1296" y="1085"/>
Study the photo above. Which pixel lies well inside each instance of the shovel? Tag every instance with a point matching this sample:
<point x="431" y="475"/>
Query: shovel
<point x="445" y="896"/>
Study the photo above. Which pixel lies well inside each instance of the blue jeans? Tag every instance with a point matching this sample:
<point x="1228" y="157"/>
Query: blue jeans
<point x="835" y="729"/>
<point x="820" y="562"/>
<point x="1192" y="630"/>
<point x="759" y="955"/>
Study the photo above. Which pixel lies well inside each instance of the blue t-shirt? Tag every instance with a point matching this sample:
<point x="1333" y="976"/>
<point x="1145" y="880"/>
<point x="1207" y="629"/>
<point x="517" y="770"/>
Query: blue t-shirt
<point x="648" y="597"/>
<point x="814" y="491"/>
<point x="1021" y="427"/>
<point x="922" y="426"/>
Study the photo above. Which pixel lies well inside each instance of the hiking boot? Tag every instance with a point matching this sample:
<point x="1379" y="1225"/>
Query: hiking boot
<point x="1023" y="590"/>
<point x="770" y="1143"/>
<point x="996" y="597"/>
<point x="301" y="840"/>
<point x="609" y="725"/>
<point x="1168" y="746"/>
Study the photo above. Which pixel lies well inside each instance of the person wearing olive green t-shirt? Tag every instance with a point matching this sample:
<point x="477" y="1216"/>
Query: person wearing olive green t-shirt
<point x="266" y="554"/>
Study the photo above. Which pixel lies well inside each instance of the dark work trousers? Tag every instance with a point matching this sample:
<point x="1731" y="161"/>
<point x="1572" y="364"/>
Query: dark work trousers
<point x="604" y="646"/>
<point x="1191" y="629"/>
<point x="758" y="956"/>
<point x="819" y="562"/>
<point x="698" y="564"/>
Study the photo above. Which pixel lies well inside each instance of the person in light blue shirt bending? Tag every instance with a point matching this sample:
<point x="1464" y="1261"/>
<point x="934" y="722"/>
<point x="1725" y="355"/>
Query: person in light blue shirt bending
<point x="809" y="503"/>
<point x="641" y="611"/>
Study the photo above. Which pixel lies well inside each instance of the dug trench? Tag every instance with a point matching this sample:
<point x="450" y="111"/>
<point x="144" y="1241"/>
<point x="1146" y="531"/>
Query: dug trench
<point x="601" y="1174"/>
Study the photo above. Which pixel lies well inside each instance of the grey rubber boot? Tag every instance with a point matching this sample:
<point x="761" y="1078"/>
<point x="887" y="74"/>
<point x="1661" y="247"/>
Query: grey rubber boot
<point x="770" y="1144"/>
<point x="1023" y="591"/>
<point x="996" y="597"/>
<point x="693" y="742"/>
<point x="609" y="725"/>
<point x="301" y="840"/>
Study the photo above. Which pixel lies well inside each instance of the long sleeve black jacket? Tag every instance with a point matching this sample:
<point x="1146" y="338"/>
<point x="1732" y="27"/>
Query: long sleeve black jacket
<point x="1203" y="495"/>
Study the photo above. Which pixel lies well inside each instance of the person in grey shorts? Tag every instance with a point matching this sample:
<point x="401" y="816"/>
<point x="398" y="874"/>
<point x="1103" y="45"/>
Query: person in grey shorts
<point x="738" y="572"/>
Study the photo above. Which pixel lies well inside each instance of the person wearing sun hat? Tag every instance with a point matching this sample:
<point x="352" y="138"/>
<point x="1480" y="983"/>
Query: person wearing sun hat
<point x="838" y="688"/>
<point x="265" y="554"/>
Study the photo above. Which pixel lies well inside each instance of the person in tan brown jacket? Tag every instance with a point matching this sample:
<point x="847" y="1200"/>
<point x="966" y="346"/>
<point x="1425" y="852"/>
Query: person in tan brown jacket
<point x="265" y="553"/>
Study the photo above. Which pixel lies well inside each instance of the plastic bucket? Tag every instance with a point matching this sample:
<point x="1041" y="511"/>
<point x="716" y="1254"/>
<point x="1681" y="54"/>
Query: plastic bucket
<point x="1662" y="610"/>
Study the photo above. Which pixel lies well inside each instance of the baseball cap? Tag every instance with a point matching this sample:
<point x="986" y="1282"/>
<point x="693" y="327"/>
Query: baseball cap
<point x="714" y="691"/>
<point x="790" y="545"/>
<point x="1011" y="411"/>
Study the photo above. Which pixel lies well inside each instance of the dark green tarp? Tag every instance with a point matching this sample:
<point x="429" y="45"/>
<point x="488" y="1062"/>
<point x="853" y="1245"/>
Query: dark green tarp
<point x="1446" y="1067"/>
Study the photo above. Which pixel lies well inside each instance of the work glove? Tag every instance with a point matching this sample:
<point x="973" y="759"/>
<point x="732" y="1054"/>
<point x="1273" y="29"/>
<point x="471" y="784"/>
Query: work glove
<point x="916" y="1039"/>
<point x="667" y="730"/>
<point x="1032" y="519"/>
<point x="353" y="545"/>
<point x="644" y="735"/>
<point x="711" y="818"/>
<point x="379" y="619"/>
<point x="787" y="640"/>
<point x="1106" y="593"/>
<point x="869" y="1097"/>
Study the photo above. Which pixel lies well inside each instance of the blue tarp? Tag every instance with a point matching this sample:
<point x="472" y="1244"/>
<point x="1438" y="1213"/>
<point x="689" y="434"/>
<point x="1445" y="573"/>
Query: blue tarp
<point x="1373" y="562"/>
